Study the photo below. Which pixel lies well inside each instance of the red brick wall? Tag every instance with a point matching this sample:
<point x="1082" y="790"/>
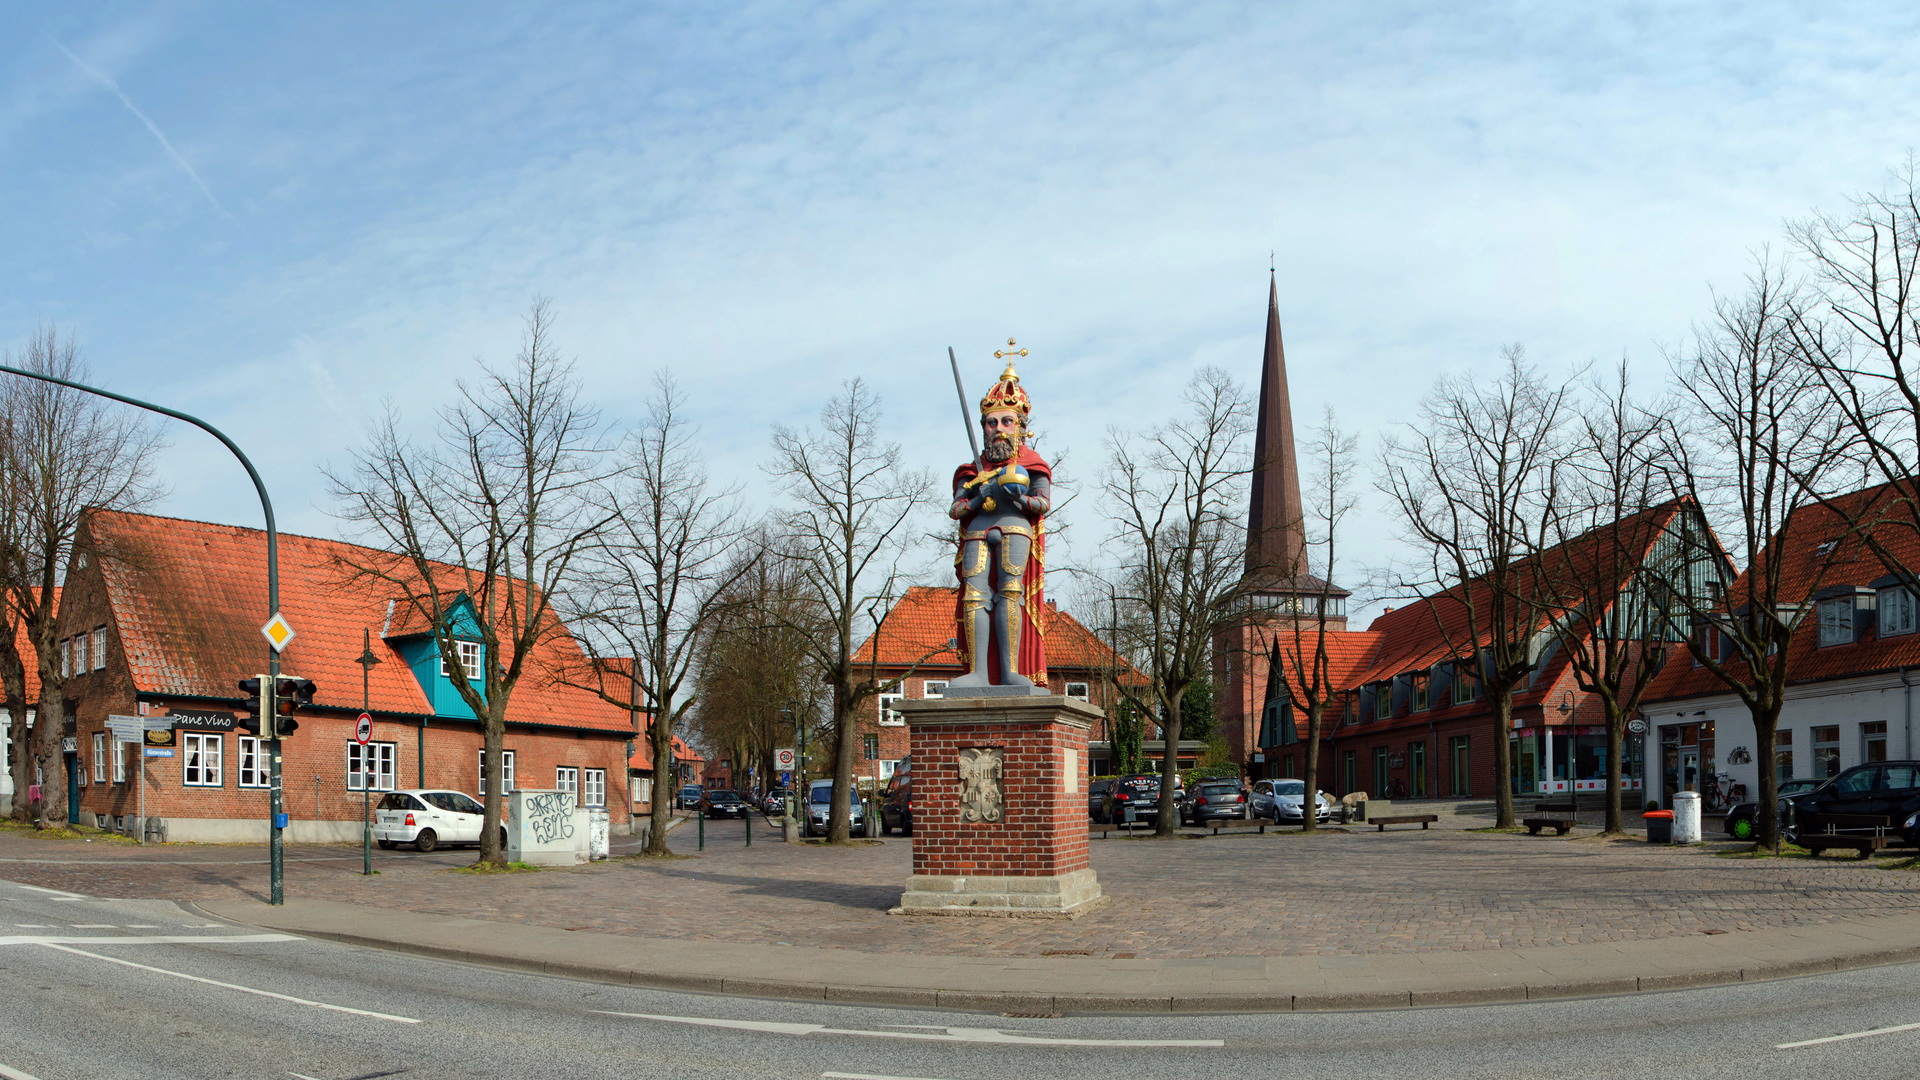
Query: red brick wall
<point x="1045" y="831"/>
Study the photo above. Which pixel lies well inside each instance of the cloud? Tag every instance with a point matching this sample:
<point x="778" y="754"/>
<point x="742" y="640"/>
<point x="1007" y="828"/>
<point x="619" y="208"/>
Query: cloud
<point x="165" y="143"/>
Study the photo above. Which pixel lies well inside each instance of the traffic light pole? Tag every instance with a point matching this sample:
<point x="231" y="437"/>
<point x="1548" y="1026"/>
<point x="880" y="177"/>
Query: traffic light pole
<point x="276" y="848"/>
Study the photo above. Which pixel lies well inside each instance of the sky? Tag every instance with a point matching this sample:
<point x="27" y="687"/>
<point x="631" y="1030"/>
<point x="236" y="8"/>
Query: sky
<point x="289" y="218"/>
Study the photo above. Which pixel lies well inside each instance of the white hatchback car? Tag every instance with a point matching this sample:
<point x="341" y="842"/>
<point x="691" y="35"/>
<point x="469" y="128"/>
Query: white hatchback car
<point x="427" y="819"/>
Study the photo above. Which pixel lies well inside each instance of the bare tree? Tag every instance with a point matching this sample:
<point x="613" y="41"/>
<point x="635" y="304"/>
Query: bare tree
<point x="1611" y="558"/>
<point x="1179" y="533"/>
<point x="851" y="505"/>
<point x="1472" y="485"/>
<point x="493" y="516"/>
<point x="1298" y="655"/>
<point x="68" y="451"/>
<point x="653" y="582"/>
<point x="1760" y="437"/>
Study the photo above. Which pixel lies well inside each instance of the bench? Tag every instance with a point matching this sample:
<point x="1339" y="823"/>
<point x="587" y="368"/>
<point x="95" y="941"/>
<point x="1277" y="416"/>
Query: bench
<point x="1865" y="833"/>
<point x="1405" y="819"/>
<point x="1248" y="827"/>
<point x="1561" y="826"/>
<point x="1556" y="808"/>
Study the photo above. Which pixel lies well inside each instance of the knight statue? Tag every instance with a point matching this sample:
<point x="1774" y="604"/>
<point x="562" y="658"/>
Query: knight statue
<point x="1001" y="501"/>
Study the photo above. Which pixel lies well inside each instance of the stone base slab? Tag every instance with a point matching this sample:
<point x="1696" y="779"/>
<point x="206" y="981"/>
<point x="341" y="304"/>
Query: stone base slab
<point x="1063" y="896"/>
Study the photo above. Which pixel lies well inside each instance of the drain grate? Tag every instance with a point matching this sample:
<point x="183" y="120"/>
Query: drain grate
<point x="1030" y="1016"/>
<point x="1066" y="952"/>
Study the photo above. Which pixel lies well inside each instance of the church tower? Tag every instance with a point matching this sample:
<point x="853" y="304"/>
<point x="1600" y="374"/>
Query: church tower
<point x="1279" y="590"/>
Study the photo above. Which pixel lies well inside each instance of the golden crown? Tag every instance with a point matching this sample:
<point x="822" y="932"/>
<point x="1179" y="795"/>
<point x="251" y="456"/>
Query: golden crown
<point x="1007" y="393"/>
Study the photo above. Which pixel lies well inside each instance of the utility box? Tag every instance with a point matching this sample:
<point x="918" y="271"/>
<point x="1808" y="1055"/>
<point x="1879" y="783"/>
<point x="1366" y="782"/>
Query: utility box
<point x="599" y="830"/>
<point x="1686" y="817"/>
<point x="546" y="828"/>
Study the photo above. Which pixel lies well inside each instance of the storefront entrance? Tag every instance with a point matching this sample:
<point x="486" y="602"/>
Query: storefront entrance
<point x="1686" y="758"/>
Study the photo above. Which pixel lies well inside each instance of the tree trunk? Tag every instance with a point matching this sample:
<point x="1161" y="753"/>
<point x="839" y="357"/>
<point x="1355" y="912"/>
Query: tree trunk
<point x="1502" y="758"/>
<point x="1766" y="725"/>
<point x="493" y="735"/>
<point x="1310" y="802"/>
<point x="1170" y="769"/>
<point x="840" y="819"/>
<point x="665" y="790"/>
<point x="1616" y="740"/>
<point x="13" y="683"/>
<point x="49" y="720"/>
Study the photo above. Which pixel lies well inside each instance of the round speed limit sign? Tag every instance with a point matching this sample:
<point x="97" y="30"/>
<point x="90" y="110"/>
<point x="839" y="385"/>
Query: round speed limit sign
<point x="363" y="731"/>
<point x="783" y="759"/>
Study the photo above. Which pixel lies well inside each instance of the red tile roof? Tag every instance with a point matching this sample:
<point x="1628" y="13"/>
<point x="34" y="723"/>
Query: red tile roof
<point x="24" y="644"/>
<point x="1350" y="653"/>
<point x="920" y="629"/>
<point x="643" y="751"/>
<point x="189" y="596"/>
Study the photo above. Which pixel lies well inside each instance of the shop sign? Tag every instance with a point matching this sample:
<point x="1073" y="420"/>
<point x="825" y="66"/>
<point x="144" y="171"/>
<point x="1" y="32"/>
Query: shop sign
<point x="1525" y="733"/>
<point x="70" y="744"/>
<point x="1637" y="726"/>
<point x="161" y="737"/>
<point x="200" y="720"/>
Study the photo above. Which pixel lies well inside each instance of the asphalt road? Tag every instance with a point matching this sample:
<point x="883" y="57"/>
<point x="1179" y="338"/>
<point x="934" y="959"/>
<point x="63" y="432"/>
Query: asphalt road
<point x="130" y="988"/>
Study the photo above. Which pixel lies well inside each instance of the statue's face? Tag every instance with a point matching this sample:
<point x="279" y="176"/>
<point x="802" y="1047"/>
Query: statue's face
<point x="1001" y="422"/>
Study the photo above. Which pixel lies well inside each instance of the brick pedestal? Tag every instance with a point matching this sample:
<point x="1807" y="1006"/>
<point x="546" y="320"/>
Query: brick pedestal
<point x="1032" y="861"/>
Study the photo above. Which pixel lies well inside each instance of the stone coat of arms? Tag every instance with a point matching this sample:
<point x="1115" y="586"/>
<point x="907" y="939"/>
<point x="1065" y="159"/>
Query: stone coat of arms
<point x="981" y="797"/>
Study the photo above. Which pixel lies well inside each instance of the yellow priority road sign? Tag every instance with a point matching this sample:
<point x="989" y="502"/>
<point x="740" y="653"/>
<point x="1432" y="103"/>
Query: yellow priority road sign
<point x="278" y="632"/>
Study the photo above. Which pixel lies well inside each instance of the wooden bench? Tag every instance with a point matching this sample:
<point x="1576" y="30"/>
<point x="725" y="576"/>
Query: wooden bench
<point x="1423" y="820"/>
<point x="1241" y="825"/>
<point x="1556" y="808"/>
<point x="1561" y="826"/>
<point x="1865" y="833"/>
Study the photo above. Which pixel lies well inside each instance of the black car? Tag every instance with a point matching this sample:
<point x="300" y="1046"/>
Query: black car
<point x="1097" y="798"/>
<point x="896" y="806"/>
<point x="1133" y="798"/>
<point x="1743" y="818"/>
<point x="1214" y="800"/>
<point x="719" y="804"/>
<point x="1888" y="789"/>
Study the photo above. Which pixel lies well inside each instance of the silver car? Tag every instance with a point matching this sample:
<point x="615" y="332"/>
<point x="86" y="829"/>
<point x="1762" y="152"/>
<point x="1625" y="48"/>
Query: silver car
<point x="1279" y="801"/>
<point x="820" y="804"/>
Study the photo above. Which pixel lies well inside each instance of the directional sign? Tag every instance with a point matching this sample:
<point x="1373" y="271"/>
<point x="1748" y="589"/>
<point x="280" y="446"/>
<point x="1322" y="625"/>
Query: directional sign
<point x="363" y="731"/>
<point x="278" y="632"/>
<point x="783" y="758"/>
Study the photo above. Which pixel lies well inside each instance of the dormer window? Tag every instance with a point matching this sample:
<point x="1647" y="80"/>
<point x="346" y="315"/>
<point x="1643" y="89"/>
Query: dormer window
<point x="471" y="653"/>
<point x="1383" y="700"/>
<point x="1465" y="687"/>
<point x="1420" y="691"/>
<point x="1836" y="621"/>
<point x="1896" y="611"/>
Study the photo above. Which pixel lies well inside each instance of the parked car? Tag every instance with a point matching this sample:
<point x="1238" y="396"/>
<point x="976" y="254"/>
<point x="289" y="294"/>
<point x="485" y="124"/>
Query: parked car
<point x="722" y="803"/>
<point x="774" y="802"/>
<point x="1214" y="800"/>
<point x="428" y="818"/>
<point x="820" y="804"/>
<point x="1889" y="789"/>
<point x="1743" y="818"/>
<point x="690" y="797"/>
<point x="1280" y="801"/>
<point x="896" y="804"/>
<point x="1133" y="798"/>
<point x="1097" y="797"/>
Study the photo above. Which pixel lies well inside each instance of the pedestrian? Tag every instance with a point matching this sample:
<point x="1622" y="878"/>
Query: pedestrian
<point x="34" y="804"/>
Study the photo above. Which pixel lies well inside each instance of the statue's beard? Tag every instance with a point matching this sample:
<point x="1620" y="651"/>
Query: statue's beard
<point x="1000" y="448"/>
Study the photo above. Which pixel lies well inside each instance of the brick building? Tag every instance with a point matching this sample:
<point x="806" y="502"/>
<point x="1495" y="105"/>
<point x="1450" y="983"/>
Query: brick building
<point x="160" y="617"/>
<point x="25" y="646"/>
<point x="917" y="635"/>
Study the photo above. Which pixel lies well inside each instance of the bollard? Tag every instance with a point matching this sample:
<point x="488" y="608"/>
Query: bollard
<point x="749" y="820"/>
<point x="702" y="819"/>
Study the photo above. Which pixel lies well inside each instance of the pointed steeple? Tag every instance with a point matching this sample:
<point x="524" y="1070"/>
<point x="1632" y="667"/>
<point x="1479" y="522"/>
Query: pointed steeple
<point x="1276" y="525"/>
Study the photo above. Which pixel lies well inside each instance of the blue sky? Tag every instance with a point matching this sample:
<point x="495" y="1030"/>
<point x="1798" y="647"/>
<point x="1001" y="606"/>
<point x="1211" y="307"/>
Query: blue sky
<point x="284" y="216"/>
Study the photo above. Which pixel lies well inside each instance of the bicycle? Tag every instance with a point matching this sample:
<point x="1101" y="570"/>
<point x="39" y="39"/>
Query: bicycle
<point x="1724" y="794"/>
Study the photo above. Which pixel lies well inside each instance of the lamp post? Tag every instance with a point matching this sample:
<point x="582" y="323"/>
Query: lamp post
<point x="791" y="711"/>
<point x="276" y="850"/>
<point x="366" y="661"/>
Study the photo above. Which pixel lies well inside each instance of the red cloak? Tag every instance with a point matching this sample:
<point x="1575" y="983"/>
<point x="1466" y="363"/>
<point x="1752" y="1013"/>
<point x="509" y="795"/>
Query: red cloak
<point x="1032" y="661"/>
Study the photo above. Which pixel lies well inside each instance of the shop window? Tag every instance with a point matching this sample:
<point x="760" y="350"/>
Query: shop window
<point x="373" y="762"/>
<point x="1783" y="755"/>
<point x="100" y="757"/>
<point x="1873" y="741"/>
<point x="1836" y="621"/>
<point x="506" y="771"/>
<point x="1826" y="751"/>
<point x="202" y="765"/>
<point x="1896" y="611"/>
<point x="567" y="778"/>
<point x="255" y="770"/>
<point x="595" y="793"/>
<point x="889" y="716"/>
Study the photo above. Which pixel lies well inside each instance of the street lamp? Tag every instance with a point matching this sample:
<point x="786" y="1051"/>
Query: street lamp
<point x="276" y="852"/>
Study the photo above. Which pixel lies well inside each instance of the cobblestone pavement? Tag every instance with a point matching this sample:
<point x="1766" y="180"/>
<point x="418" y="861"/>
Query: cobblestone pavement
<point x="1343" y="892"/>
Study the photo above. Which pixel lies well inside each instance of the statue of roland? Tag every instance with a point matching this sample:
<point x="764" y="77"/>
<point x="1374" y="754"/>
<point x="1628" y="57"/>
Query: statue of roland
<point x="1001" y="504"/>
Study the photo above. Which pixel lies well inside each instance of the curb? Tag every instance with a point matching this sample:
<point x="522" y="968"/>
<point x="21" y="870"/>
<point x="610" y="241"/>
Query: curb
<point x="1060" y="1004"/>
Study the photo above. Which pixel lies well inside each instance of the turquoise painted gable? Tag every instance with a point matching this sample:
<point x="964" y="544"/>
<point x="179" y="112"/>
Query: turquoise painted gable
<point x="422" y="657"/>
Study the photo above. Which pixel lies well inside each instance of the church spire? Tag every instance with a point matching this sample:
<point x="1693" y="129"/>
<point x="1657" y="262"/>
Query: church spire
<point x="1276" y="524"/>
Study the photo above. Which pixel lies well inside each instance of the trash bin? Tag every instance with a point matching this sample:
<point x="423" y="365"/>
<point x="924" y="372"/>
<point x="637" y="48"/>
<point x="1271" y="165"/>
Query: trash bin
<point x="1659" y="826"/>
<point x="1686" y="817"/>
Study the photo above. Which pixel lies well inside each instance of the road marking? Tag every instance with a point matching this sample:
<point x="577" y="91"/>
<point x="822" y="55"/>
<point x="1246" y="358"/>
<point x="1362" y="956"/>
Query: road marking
<point x="1844" y="1038"/>
<point x="236" y="986"/>
<point x="95" y="926"/>
<point x="143" y="939"/>
<point x="58" y="894"/>
<point x="16" y="1074"/>
<point x="950" y="1034"/>
<point x="869" y="1076"/>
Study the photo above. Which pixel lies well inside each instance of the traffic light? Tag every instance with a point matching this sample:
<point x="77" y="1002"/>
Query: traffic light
<point x="290" y="693"/>
<point x="251" y="723"/>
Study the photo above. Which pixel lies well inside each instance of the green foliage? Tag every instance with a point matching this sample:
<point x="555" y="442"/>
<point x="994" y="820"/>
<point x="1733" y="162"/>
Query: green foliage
<point x="1123" y="731"/>
<point x="1196" y="712"/>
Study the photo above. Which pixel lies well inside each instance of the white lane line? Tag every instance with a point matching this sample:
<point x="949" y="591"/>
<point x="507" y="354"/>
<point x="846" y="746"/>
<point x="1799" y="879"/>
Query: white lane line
<point x="236" y="986"/>
<point x="143" y="939"/>
<point x="95" y="926"/>
<point x="1844" y="1038"/>
<point x="16" y="1074"/>
<point x="951" y="1034"/>
<point x="58" y="894"/>
<point x="869" y="1076"/>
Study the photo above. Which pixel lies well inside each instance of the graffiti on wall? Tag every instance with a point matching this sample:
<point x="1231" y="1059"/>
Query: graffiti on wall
<point x="549" y="816"/>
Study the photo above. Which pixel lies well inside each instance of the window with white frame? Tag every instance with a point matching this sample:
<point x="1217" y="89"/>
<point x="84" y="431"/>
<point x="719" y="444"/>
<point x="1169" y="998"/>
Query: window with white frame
<point x="79" y="654"/>
<point x="370" y="766"/>
<point x="567" y="778"/>
<point x="202" y="766"/>
<point x="66" y="657"/>
<point x="889" y="716"/>
<point x="506" y="771"/>
<point x="596" y="789"/>
<point x="1836" y="621"/>
<point x="99" y="757"/>
<point x="1077" y="690"/>
<point x="470" y="654"/>
<point x="934" y="688"/>
<point x="255" y="769"/>
<point x="1896" y="611"/>
<point x="119" y="762"/>
<point x="99" y="647"/>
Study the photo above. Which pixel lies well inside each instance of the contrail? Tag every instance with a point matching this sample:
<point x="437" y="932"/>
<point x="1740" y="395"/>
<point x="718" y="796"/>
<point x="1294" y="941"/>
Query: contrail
<point x="151" y="126"/>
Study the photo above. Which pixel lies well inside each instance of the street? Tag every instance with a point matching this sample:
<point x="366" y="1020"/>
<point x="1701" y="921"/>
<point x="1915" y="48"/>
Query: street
<point x="129" y="988"/>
